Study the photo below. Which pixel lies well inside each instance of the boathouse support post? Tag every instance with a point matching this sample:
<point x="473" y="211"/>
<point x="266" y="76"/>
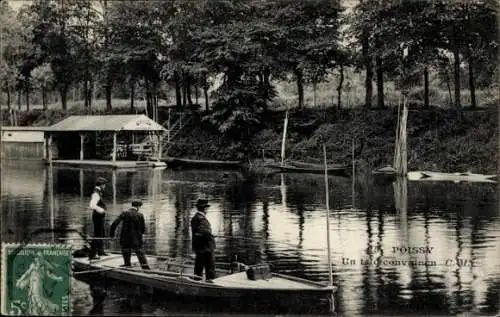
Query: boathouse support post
<point x="45" y="152"/>
<point x="81" y="146"/>
<point x="49" y="148"/>
<point x="113" y="183"/>
<point x="114" y="146"/>
<point x="160" y="147"/>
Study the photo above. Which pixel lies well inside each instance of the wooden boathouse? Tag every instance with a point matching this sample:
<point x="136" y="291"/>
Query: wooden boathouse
<point x="116" y="141"/>
<point x="23" y="143"/>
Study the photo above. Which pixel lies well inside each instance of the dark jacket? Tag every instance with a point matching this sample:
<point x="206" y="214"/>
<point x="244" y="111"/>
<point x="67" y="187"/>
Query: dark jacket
<point x="203" y="240"/>
<point x="133" y="228"/>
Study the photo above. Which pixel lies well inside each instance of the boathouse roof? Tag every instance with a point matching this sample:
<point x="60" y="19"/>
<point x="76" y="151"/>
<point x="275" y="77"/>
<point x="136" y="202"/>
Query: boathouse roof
<point x="106" y="123"/>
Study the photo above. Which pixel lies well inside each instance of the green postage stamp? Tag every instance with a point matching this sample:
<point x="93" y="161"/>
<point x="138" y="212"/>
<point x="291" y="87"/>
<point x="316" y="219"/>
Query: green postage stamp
<point x="36" y="279"/>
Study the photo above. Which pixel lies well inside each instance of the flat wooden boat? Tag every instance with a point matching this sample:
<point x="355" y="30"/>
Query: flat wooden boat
<point x="175" y="161"/>
<point x="175" y="276"/>
<point x="332" y="169"/>
<point x="314" y="165"/>
<point x="454" y="177"/>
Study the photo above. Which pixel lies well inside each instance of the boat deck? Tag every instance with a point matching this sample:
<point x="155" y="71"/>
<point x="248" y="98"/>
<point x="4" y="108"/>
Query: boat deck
<point x="111" y="164"/>
<point x="241" y="280"/>
<point x="226" y="280"/>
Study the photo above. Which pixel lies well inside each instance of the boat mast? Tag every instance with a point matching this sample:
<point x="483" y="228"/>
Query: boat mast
<point x="330" y="277"/>
<point x="285" y="127"/>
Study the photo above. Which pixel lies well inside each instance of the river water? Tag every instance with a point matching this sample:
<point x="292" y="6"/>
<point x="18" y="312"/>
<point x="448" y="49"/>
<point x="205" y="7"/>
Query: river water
<point x="281" y="219"/>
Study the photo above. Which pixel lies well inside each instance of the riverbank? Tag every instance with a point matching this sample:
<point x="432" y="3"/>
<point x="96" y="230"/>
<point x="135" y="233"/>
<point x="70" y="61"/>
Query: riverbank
<point x="437" y="139"/>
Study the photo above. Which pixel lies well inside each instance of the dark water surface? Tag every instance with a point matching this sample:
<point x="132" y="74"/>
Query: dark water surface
<point x="282" y="220"/>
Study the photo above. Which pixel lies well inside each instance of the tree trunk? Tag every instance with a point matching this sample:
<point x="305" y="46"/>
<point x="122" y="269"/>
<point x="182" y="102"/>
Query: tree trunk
<point x="188" y="90"/>
<point x="456" y="56"/>
<point x="90" y="92"/>
<point x="300" y="87"/>
<point x="369" y="69"/>
<point x="205" y="91"/>
<point x="44" y="99"/>
<point x="149" y="105"/>
<point x="8" y="98"/>
<point x="19" y="92"/>
<point x="178" y="96"/>
<point x="108" y="88"/>
<point x="267" y="86"/>
<point x="472" y="87"/>
<point x="86" y="93"/>
<point x="132" y="94"/>
<point x="196" y="94"/>
<point x="339" y="87"/>
<point x="380" y="83"/>
<point x="426" y="87"/>
<point x="450" y="98"/>
<point x="27" y="91"/>
<point x="184" y="94"/>
<point x="64" y="94"/>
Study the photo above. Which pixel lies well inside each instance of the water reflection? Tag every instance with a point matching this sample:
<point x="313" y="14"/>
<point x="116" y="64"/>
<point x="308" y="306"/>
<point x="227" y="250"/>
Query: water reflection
<point x="281" y="219"/>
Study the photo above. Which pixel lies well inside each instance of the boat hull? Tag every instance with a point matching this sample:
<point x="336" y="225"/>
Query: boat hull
<point x="229" y="287"/>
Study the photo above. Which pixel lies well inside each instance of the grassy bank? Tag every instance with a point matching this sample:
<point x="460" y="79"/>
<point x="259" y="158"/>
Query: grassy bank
<point x="437" y="139"/>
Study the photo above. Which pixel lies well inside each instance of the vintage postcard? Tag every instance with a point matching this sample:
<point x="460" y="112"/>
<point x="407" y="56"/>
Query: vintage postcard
<point x="250" y="157"/>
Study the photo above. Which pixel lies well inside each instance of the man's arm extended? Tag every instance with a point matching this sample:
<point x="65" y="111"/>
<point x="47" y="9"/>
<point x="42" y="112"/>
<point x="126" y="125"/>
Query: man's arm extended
<point x="94" y="199"/>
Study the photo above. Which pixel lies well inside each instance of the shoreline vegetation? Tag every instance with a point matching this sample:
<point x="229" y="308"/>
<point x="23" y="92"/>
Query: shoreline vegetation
<point x="438" y="140"/>
<point x="233" y="67"/>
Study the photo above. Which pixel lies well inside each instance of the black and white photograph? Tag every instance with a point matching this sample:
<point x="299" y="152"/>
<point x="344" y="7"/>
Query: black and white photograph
<point x="249" y="157"/>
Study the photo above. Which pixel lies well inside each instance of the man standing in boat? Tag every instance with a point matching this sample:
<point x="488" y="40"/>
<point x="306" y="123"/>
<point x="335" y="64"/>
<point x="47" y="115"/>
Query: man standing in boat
<point x="98" y="216"/>
<point x="133" y="227"/>
<point x="203" y="242"/>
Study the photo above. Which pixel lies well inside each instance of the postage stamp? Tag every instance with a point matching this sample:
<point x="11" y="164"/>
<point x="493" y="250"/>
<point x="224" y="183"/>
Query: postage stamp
<point x="36" y="279"/>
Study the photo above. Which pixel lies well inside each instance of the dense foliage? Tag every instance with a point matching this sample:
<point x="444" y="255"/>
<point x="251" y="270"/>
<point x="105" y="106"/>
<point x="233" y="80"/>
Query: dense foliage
<point x="248" y="44"/>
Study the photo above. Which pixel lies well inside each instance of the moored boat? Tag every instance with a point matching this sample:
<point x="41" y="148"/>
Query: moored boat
<point x="173" y="276"/>
<point x="454" y="177"/>
<point x="332" y="169"/>
<point x="184" y="162"/>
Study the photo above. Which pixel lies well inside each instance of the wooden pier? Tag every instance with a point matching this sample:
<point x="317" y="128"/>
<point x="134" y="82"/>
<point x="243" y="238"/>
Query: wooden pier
<point x="108" y="164"/>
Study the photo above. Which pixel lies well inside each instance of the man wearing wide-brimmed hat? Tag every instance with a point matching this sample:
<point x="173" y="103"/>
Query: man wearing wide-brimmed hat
<point x="98" y="216"/>
<point x="203" y="242"/>
<point x="133" y="227"/>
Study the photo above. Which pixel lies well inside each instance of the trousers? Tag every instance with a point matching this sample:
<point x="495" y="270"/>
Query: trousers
<point x="205" y="260"/>
<point x="97" y="246"/>
<point x="139" y="252"/>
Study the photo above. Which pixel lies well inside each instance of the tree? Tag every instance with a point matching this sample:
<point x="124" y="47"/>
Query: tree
<point x="10" y="37"/>
<point x="84" y="34"/>
<point x="43" y="79"/>
<point x="305" y="38"/>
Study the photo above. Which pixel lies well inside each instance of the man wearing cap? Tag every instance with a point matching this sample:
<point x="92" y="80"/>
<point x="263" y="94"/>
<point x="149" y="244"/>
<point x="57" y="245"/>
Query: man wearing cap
<point x="98" y="214"/>
<point x="133" y="228"/>
<point x="203" y="242"/>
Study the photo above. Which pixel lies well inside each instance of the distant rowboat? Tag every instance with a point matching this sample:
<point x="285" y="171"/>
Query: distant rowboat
<point x="454" y="177"/>
<point x="301" y="167"/>
<point x="175" y="161"/>
<point x="173" y="275"/>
